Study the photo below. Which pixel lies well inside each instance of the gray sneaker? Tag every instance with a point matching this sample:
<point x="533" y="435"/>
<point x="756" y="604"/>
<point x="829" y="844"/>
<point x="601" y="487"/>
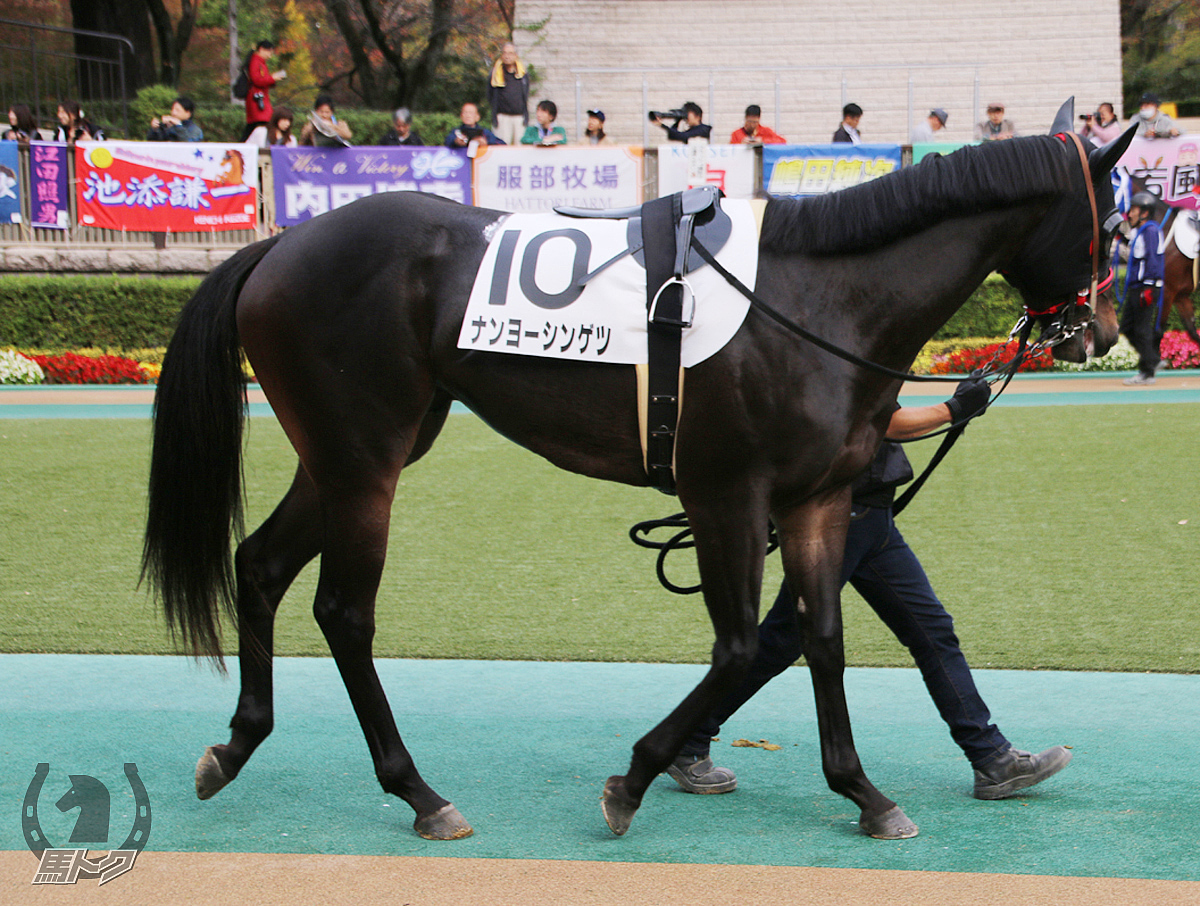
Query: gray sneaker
<point x="1016" y="770"/>
<point x="1139" y="380"/>
<point x="697" y="774"/>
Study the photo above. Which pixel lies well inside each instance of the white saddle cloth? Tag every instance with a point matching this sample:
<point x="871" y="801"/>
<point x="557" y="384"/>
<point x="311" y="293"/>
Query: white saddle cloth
<point x="526" y="298"/>
<point x="1187" y="233"/>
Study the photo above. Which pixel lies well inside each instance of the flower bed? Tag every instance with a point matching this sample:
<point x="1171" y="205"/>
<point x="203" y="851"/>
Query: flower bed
<point x="73" y="368"/>
<point x="18" y="369"/>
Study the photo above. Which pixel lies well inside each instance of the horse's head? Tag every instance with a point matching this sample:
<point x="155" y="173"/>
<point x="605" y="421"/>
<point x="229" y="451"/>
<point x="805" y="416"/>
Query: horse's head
<point x="1064" y="264"/>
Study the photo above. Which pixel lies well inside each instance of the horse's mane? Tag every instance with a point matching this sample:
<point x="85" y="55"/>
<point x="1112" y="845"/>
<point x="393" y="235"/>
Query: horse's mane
<point x="971" y="180"/>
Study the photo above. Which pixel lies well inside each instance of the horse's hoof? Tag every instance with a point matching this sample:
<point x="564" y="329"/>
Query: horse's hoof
<point x="210" y="779"/>
<point x="618" y="807"/>
<point x="447" y="823"/>
<point x="891" y="825"/>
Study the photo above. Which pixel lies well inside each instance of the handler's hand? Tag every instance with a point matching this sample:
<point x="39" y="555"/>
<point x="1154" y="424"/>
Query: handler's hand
<point x="970" y="398"/>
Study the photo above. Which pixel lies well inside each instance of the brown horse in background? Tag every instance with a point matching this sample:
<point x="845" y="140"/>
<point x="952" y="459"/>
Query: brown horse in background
<point x="1179" y="282"/>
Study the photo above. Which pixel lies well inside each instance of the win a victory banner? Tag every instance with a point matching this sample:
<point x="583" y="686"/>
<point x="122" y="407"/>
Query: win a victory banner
<point x="166" y="186"/>
<point x="311" y="181"/>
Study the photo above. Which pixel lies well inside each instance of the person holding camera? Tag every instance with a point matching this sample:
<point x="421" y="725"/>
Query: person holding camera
<point x="468" y="135"/>
<point x="258" y="97"/>
<point x="1100" y="127"/>
<point x="176" y="126"/>
<point x="691" y="114"/>
<point x="73" y="126"/>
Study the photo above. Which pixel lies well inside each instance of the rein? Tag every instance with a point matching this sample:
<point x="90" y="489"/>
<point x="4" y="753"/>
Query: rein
<point x="1056" y="332"/>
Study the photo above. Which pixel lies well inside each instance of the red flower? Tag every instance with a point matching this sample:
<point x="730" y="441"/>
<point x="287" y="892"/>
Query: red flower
<point x="72" y="368"/>
<point x="964" y="361"/>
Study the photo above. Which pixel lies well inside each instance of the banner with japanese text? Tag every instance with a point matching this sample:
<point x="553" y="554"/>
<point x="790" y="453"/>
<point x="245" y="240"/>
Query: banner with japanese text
<point x="49" y="186"/>
<point x="10" y="183"/>
<point x="1166" y="167"/>
<point x="732" y="168"/>
<point x="166" y="186"/>
<point x="311" y="181"/>
<point x="534" y="180"/>
<point x="817" y="169"/>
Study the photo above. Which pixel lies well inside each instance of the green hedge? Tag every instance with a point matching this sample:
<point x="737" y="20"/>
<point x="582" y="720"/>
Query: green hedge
<point x="61" y="313"/>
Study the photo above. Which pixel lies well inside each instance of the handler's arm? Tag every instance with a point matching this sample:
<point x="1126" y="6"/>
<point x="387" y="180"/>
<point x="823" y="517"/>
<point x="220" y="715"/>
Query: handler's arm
<point x="913" y="421"/>
<point x="970" y="398"/>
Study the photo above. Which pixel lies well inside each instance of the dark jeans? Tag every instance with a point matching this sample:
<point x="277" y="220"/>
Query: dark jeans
<point x="884" y="570"/>
<point x="1139" y="323"/>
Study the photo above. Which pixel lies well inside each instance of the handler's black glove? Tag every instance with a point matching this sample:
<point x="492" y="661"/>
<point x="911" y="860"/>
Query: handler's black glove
<point x="970" y="398"/>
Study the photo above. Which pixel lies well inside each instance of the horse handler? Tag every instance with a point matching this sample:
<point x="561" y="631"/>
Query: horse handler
<point x="884" y="570"/>
<point x="1143" y="287"/>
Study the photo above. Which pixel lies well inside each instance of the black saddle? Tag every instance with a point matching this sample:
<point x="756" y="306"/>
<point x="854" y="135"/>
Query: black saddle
<point x="701" y="214"/>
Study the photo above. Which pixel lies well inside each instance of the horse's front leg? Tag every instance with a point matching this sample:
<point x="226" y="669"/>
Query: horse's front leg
<point x="812" y="540"/>
<point x="731" y="541"/>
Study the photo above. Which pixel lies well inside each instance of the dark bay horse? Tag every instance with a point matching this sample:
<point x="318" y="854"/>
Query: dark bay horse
<point x="351" y="320"/>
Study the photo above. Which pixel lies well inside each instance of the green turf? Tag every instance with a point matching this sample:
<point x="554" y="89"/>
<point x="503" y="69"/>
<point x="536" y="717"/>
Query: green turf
<point x="1053" y="535"/>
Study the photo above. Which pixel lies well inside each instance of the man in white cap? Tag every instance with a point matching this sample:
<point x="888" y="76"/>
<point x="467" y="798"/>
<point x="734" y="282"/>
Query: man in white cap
<point x="931" y="130"/>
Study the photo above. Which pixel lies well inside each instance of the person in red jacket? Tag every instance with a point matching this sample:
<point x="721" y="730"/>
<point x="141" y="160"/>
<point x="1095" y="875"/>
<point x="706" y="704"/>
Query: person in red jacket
<point x="258" y="97"/>
<point x="753" y="132"/>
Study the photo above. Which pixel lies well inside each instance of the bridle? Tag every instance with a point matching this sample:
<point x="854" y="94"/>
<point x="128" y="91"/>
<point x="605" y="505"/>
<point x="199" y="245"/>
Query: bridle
<point x="1077" y="312"/>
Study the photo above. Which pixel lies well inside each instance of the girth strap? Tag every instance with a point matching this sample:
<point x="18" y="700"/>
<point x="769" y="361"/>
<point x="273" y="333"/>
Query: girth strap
<point x="664" y="311"/>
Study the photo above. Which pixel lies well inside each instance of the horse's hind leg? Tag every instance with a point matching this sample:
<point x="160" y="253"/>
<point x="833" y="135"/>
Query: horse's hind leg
<point x="356" y="521"/>
<point x="267" y="562"/>
<point x="812" y="541"/>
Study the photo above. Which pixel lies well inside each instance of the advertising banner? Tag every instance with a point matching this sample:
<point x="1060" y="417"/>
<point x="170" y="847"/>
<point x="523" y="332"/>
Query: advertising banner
<point x="166" y="186"/>
<point x="10" y="183"/>
<point x="534" y="180"/>
<point x="1166" y="167"/>
<point x="311" y="181"/>
<point x="920" y="150"/>
<point x="49" y="186"/>
<point x="817" y="169"/>
<point x="732" y="168"/>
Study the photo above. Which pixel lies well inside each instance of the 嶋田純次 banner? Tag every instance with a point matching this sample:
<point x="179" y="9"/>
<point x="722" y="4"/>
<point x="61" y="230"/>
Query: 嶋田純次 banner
<point x="817" y="169"/>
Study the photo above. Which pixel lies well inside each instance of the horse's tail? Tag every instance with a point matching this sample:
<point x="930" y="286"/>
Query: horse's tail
<point x="195" y="496"/>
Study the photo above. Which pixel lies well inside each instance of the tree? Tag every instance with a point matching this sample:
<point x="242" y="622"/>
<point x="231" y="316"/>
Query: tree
<point x="1160" y="50"/>
<point x="119" y="17"/>
<point x="139" y="20"/>
<point x="399" y="49"/>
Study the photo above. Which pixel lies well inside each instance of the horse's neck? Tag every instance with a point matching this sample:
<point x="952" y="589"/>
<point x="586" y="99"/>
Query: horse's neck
<point x="913" y="286"/>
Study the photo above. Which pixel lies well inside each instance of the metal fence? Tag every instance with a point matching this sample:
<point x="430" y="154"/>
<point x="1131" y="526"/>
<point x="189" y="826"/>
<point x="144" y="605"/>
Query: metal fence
<point x="39" y="66"/>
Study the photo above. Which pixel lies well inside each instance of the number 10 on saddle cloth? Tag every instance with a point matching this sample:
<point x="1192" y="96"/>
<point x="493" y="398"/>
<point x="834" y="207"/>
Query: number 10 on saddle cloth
<point x="543" y="290"/>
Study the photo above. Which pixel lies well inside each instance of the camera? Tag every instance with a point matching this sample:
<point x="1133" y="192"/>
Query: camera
<point x="1087" y="116"/>
<point x="676" y="114"/>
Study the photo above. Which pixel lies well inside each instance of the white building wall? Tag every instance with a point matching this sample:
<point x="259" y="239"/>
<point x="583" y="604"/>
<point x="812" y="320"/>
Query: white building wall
<point x="884" y="56"/>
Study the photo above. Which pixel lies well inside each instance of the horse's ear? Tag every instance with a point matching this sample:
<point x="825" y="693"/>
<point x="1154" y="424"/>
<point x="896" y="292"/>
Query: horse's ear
<point x="1064" y="120"/>
<point x="1102" y="160"/>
